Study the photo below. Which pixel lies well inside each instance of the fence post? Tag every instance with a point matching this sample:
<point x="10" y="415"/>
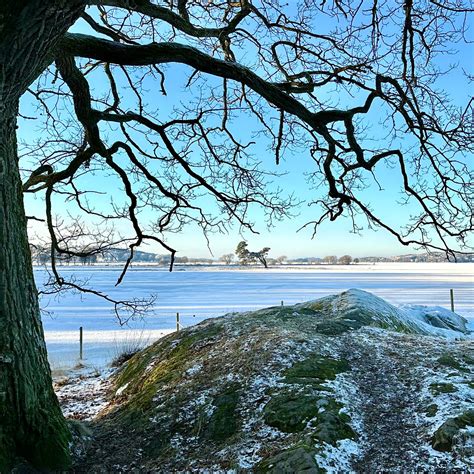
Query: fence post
<point x="80" y="342"/>
<point x="451" y="293"/>
<point x="177" y="322"/>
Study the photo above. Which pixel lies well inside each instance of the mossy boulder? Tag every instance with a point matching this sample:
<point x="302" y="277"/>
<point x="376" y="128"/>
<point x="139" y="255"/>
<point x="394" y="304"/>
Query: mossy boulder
<point x="315" y="370"/>
<point x="439" y="388"/>
<point x="443" y="437"/>
<point x="292" y="460"/>
<point x="331" y="424"/>
<point x="447" y="360"/>
<point x="224" y="421"/>
<point x="291" y="411"/>
<point x="431" y="410"/>
<point x="321" y="415"/>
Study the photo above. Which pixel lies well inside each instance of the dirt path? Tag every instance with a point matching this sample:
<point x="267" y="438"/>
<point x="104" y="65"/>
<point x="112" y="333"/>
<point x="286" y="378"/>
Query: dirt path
<point x="389" y="386"/>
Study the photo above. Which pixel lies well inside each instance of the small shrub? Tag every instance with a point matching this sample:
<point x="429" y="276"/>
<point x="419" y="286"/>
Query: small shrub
<point x="127" y="347"/>
<point x="121" y="358"/>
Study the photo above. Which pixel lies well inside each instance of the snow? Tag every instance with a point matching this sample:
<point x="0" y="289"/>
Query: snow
<point x="194" y="369"/>
<point x="421" y="315"/>
<point x="83" y="393"/>
<point x="432" y="320"/>
<point x="337" y="459"/>
<point x="121" y="389"/>
<point x="202" y="292"/>
<point x="100" y="346"/>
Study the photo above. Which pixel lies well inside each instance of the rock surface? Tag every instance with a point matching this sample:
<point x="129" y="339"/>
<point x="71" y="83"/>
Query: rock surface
<point x="347" y="383"/>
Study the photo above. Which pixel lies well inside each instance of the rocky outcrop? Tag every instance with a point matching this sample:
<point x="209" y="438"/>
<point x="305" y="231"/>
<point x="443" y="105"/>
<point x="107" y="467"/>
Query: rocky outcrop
<point x="345" y="383"/>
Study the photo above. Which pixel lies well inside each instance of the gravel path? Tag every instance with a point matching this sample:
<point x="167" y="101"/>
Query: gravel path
<point x="389" y="384"/>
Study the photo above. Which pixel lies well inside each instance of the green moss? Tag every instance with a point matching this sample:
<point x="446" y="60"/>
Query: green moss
<point x="290" y="411"/>
<point x="160" y="364"/>
<point x="448" y="360"/>
<point x="335" y="327"/>
<point x="438" y="388"/>
<point x="442" y="439"/>
<point x="356" y="319"/>
<point x="331" y="425"/>
<point x="51" y="450"/>
<point x="315" y="370"/>
<point x="288" y="313"/>
<point x="431" y="410"/>
<point x="292" y="460"/>
<point x="224" y="421"/>
<point x="467" y="359"/>
<point x="318" y="306"/>
<point x="43" y="441"/>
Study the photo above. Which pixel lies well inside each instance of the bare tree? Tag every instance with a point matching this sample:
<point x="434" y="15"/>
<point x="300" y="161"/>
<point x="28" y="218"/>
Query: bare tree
<point x="227" y="258"/>
<point x="298" y="86"/>
<point x="345" y="260"/>
<point x="281" y="259"/>
<point x="330" y="259"/>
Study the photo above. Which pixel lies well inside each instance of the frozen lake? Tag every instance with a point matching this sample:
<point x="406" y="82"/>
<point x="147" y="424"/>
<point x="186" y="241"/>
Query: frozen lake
<point x="200" y="293"/>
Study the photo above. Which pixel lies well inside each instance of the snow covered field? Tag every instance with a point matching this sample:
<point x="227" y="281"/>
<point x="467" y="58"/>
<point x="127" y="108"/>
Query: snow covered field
<point x="200" y="293"/>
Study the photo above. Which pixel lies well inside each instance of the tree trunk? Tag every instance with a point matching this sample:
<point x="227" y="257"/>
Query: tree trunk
<point x="32" y="427"/>
<point x="31" y="424"/>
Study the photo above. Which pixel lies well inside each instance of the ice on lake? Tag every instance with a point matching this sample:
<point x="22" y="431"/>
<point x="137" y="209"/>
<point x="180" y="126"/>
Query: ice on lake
<point x="200" y="293"/>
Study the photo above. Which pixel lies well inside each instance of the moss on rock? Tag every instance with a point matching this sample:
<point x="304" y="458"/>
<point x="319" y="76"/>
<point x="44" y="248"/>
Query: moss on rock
<point x="331" y="425"/>
<point x="315" y="370"/>
<point x="447" y="360"/>
<point x="290" y="412"/>
<point x="431" y="410"/>
<point x="224" y="421"/>
<point x="442" y="439"/>
<point x="439" y="388"/>
<point x="296" y="459"/>
<point x="351" y="320"/>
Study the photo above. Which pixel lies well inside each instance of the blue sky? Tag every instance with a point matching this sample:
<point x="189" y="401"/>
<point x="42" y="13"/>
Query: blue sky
<point x="333" y="238"/>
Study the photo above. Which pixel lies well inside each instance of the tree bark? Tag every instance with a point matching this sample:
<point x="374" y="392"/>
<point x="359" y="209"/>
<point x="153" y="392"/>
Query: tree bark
<point x="31" y="424"/>
<point x="32" y="427"/>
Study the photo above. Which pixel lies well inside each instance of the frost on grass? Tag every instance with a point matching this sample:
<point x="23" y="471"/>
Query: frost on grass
<point x="82" y="393"/>
<point x="345" y="383"/>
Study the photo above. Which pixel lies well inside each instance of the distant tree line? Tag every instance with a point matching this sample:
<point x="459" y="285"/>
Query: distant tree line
<point x="243" y="256"/>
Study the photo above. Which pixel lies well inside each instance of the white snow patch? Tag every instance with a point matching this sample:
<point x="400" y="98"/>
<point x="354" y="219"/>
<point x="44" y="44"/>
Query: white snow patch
<point x="84" y="394"/>
<point x="248" y="455"/>
<point x="339" y="458"/>
<point x="424" y="316"/>
<point x="121" y="389"/>
<point x="194" y="369"/>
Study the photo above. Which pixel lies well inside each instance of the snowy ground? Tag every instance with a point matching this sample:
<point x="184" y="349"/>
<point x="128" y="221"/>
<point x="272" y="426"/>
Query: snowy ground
<point x="200" y="293"/>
